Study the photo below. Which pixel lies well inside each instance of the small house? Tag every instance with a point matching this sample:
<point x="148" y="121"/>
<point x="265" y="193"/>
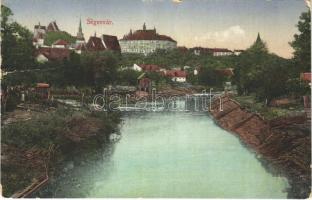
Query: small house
<point x="43" y="90"/>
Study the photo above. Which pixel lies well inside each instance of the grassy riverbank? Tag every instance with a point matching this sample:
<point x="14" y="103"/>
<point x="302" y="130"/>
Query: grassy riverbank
<point x="269" y="112"/>
<point x="29" y="147"/>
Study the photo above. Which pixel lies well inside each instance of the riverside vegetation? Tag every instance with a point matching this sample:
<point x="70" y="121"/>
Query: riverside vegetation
<point x="30" y="146"/>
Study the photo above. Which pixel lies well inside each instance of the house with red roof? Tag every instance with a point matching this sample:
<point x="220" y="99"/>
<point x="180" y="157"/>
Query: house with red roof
<point x="95" y="44"/>
<point x="176" y="75"/>
<point x="111" y="43"/>
<point x="60" y="44"/>
<point x="106" y="42"/>
<point x="149" y="68"/>
<point x="45" y="54"/>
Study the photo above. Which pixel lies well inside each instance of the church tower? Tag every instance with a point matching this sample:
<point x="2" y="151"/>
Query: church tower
<point x="80" y="36"/>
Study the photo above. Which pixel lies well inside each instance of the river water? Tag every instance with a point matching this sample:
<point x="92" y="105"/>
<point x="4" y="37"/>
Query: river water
<point x="169" y="154"/>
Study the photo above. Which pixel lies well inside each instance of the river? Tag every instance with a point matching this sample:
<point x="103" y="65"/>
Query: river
<point x="169" y="154"/>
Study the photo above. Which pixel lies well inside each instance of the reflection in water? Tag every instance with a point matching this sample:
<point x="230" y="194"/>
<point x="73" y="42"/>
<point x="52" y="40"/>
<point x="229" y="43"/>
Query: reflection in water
<point x="172" y="154"/>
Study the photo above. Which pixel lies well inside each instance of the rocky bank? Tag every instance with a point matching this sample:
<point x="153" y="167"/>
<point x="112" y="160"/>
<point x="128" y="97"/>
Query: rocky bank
<point x="283" y="144"/>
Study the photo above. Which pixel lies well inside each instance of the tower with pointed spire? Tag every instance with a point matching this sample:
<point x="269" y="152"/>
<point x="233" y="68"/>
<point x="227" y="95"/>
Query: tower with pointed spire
<point x="144" y="27"/>
<point x="258" y="38"/>
<point x="259" y="45"/>
<point x="79" y="33"/>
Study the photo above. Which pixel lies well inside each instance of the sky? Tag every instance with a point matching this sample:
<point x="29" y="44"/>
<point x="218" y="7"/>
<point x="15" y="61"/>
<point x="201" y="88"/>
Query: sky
<point x="232" y="24"/>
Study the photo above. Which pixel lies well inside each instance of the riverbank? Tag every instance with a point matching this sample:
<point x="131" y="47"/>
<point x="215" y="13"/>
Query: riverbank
<point x="33" y="149"/>
<point x="283" y="144"/>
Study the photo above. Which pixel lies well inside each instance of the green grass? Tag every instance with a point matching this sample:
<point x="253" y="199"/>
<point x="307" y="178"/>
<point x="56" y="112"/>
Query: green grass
<point x="251" y="104"/>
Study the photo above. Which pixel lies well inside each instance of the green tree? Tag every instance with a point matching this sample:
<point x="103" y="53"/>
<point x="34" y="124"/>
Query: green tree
<point x="16" y="46"/>
<point x="302" y="43"/>
<point x="73" y="70"/>
<point x="249" y="64"/>
<point x="259" y="72"/>
<point x="128" y="77"/>
<point x="209" y="77"/>
<point x="51" y="37"/>
<point x="99" y="68"/>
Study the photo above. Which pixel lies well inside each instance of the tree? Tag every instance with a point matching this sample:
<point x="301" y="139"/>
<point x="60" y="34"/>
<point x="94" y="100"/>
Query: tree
<point x="17" y="48"/>
<point x="51" y="37"/>
<point x="302" y="43"/>
<point x="272" y="79"/>
<point x="99" y="68"/>
<point x="128" y="77"/>
<point x="249" y="65"/>
<point x="209" y="77"/>
<point x="262" y="73"/>
<point x="73" y="70"/>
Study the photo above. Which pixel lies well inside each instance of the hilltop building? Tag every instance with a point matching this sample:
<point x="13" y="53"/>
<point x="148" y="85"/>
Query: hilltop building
<point x="145" y="41"/>
<point x="41" y="31"/>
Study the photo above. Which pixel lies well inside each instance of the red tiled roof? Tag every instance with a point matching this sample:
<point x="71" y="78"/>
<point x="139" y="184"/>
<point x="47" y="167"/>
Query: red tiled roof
<point x="176" y="73"/>
<point x="111" y="42"/>
<point x="150" y="68"/>
<point x="146" y="35"/>
<point x="95" y="44"/>
<point x="306" y="76"/>
<point x="58" y="54"/>
<point x="60" y="42"/>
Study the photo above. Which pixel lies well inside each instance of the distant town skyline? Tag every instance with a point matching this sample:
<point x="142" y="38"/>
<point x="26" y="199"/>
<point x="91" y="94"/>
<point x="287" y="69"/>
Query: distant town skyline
<point x="206" y="23"/>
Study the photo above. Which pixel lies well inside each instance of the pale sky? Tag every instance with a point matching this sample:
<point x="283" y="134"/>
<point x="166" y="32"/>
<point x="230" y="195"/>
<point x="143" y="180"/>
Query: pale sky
<point x="232" y="24"/>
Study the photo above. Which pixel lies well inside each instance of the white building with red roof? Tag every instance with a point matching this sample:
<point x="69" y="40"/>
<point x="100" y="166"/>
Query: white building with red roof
<point x="145" y="41"/>
<point x="60" y="44"/>
<point x="176" y="75"/>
